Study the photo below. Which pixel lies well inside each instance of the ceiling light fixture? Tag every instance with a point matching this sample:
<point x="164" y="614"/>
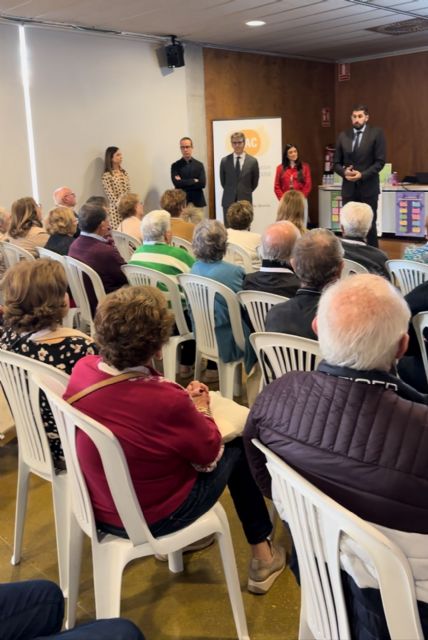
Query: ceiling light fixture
<point x="255" y="23"/>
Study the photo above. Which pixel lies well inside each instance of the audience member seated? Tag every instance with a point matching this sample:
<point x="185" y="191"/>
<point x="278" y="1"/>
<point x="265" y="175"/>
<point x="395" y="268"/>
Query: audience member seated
<point x="65" y="197"/>
<point x="35" y="303"/>
<point x="418" y="253"/>
<point x="355" y="222"/>
<point x="292" y="208"/>
<point x="100" y="200"/>
<point x="240" y="215"/>
<point x="411" y="367"/>
<point x="131" y="211"/>
<point x="192" y="214"/>
<point x="94" y="248"/>
<point x="34" y="609"/>
<point x="317" y="261"/>
<point x="276" y="274"/>
<point x="26" y="228"/>
<point x="4" y="226"/>
<point x="174" y="201"/>
<point x="61" y="224"/>
<point x="156" y="252"/>
<point x="172" y="444"/>
<point x="358" y="433"/>
<point x="209" y="246"/>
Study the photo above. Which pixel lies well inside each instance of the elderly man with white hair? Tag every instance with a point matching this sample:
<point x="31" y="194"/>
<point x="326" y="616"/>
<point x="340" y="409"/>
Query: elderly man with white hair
<point x="355" y="222"/>
<point x="156" y="252"/>
<point x="357" y="432"/>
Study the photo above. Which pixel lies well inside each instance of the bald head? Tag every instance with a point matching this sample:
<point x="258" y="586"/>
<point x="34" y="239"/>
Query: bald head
<point x="278" y="241"/>
<point x="362" y="323"/>
<point x="65" y="197"/>
<point x="318" y="258"/>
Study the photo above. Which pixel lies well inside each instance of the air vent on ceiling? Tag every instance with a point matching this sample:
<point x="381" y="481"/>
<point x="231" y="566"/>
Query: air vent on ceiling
<point x="403" y="27"/>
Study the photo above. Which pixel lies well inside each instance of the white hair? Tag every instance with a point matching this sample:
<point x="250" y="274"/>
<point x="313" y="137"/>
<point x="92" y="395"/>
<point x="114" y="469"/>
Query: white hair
<point x="361" y="320"/>
<point x="356" y="219"/>
<point x="155" y="225"/>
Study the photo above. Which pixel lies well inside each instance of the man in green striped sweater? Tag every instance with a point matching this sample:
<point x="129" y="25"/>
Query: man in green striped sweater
<point x="156" y="252"/>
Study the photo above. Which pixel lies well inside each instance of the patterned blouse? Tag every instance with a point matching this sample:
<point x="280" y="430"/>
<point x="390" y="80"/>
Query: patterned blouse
<point x="62" y="355"/>
<point x="115" y="184"/>
<point x="417" y="253"/>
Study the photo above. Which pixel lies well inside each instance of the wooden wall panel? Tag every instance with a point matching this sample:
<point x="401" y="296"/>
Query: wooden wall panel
<point x="396" y="92"/>
<point x="246" y="85"/>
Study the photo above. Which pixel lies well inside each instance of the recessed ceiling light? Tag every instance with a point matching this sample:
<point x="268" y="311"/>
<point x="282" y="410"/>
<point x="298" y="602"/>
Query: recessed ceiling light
<point x="255" y="23"/>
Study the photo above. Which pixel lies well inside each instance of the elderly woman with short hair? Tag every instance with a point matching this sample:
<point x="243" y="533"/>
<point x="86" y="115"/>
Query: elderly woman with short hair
<point x="240" y="215"/>
<point x="131" y="211"/>
<point x="174" y="201"/>
<point x="61" y="224"/>
<point x="26" y="227"/>
<point x="209" y="246"/>
<point x="173" y="446"/>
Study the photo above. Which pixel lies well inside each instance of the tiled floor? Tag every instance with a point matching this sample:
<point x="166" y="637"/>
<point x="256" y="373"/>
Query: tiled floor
<point x="193" y="605"/>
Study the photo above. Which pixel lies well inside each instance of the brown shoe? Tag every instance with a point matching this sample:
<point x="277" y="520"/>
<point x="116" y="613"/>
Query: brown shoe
<point x="262" y="573"/>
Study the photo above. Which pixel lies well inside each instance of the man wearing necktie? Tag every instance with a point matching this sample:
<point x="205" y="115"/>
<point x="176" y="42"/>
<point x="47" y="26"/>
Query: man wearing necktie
<point x="359" y="157"/>
<point x="239" y="174"/>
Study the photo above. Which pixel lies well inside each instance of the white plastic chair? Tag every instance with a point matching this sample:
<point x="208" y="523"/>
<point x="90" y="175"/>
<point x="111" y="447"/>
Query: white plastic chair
<point x="13" y="254"/>
<point x="71" y="319"/>
<point x="201" y="293"/>
<point x="126" y="244"/>
<point x="257" y="304"/>
<point x="110" y="554"/>
<point x="238" y="255"/>
<point x="183" y="243"/>
<point x="279" y="353"/>
<point x="317" y="523"/>
<point x="350" y="268"/>
<point x="76" y="272"/>
<point x="420" y="323"/>
<point x="34" y="455"/>
<point x="139" y="275"/>
<point x="407" y="274"/>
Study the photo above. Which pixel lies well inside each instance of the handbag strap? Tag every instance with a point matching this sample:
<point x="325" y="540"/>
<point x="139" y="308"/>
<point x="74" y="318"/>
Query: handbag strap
<point x="104" y="383"/>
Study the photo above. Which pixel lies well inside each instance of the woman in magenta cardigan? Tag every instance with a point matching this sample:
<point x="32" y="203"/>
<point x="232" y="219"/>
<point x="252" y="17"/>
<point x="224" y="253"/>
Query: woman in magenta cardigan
<point x="292" y="173"/>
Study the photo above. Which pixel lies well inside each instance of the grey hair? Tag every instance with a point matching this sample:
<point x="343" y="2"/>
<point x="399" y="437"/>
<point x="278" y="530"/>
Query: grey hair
<point x="356" y="219"/>
<point x="210" y="241"/>
<point x="318" y="258"/>
<point x="155" y="225"/>
<point x="278" y="241"/>
<point x="361" y="320"/>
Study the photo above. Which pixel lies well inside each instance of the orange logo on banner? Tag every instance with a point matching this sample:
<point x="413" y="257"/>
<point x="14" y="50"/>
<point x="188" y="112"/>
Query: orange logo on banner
<point x="252" y="141"/>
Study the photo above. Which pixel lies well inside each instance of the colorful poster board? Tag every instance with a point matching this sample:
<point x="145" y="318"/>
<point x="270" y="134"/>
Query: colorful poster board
<point x="409" y="214"/>
<point x="335" y="207"/>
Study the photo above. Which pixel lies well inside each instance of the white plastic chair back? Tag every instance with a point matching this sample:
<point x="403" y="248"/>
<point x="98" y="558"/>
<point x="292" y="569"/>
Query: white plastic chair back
<point x="317" y="524"/>
<point x="420" y="322"/>
<point x="201" y="294"/>
<point x="70" y="319"/>
<point x="126" y="244"/>
<point x="13" y="254"/>
<point x="34" y="455"/>
<point x="238" y="255"/>
<point x="350" y="268"/>
<point x="407" y="274"/>
<point x="257" y="304"/>
<point x="183" y="244"/>
<point x="139" y="275"/>
<point x="76" y="271"/>
<point x="279" y="353"/>
<point x="110" y="553"/>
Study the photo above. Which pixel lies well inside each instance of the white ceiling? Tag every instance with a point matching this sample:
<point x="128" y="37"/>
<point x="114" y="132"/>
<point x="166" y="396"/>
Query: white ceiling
<point x="331" y="30"/>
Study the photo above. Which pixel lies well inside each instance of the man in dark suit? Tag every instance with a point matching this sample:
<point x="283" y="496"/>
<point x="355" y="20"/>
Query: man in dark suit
<point x="239" y="174"/>
<point x="359" y="157"/>
<point x="189" y="174"/>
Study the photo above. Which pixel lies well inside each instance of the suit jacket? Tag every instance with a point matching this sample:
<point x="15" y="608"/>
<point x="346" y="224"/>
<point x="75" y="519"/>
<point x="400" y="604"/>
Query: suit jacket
<point x="372" y="258"/>
<point x="296" y="315"/>
<point x="188" y="171"/>
<point x="369" y="158"/>
<point x="241" y="189"/>
<point x="279" y="278"/>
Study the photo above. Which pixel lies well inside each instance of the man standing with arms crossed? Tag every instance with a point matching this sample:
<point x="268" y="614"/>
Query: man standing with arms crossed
<point x="189" y="174"/>
<point x="239" y="174"/>
<point x="359" y="157"/>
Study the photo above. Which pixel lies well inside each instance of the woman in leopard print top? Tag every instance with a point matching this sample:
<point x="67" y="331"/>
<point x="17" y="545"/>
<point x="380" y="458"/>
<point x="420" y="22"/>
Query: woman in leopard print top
<point x="115" y="182"/>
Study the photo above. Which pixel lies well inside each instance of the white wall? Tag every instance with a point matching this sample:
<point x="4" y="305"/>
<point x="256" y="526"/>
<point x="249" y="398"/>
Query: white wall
<point x="90" y="91"/>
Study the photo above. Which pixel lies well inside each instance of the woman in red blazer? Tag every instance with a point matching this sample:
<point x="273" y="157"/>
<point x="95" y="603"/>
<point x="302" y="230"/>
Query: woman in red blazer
<point x="292" y="173"/>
